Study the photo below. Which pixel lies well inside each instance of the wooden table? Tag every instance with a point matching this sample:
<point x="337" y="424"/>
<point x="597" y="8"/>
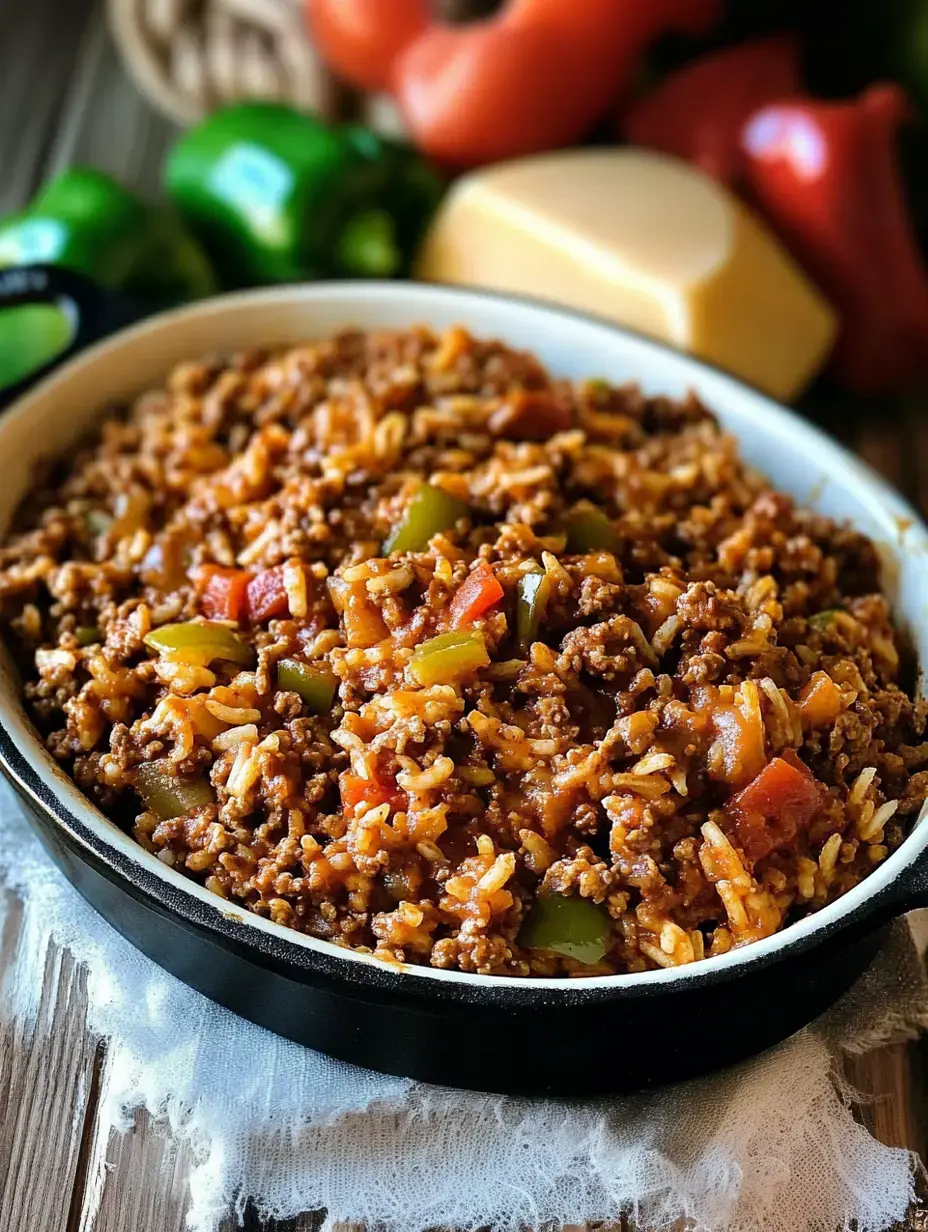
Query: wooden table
<point x="63" y="99"/>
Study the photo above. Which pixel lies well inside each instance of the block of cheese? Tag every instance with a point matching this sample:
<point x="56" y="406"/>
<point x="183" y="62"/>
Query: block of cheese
<point x="645" y="240"/>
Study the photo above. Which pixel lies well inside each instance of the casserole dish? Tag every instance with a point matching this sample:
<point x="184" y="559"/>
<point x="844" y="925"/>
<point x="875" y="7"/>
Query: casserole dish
<point x="485" y="1032"/>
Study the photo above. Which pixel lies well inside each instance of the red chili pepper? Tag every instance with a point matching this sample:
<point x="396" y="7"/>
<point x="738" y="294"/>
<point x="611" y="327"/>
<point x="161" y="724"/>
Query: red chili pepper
<point x="370" y="792"/>
<point x="826" y="174"/>
<point x="531" y="77"/>
<point x="774" y="807"/>
<point x="477" y="594"/>
<point x="223" y="593"/>
<point x="698" y="112"/>
<point x="267" y="595"/>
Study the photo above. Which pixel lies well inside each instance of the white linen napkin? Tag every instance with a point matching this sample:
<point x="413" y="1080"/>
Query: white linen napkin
<point x="769" y="1146"/>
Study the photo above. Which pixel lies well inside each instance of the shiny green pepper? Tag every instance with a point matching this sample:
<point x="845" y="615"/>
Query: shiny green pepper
<point x="85" y="221"/>
<point x="431" y="511"/>
<point x="276" y="195"/>
<point x="314" y="684"/>
<point x="449" y="657"/>
<point x="199" y="642"/>
<point x="574" y="927"/>
<point x="531" y="601"/>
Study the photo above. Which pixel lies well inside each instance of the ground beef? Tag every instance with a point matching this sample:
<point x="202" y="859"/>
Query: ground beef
<point x="611" y="703"/>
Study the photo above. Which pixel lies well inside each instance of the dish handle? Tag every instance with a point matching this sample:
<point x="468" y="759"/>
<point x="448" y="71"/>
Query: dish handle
<point x="92" y="311"/>
<point x="909" y="890"/>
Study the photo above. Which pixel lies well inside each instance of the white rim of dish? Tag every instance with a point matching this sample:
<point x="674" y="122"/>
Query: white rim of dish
<point x="903" y="527"/>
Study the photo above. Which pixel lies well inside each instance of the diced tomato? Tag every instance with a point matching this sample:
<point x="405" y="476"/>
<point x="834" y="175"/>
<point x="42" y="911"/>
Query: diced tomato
<point x="267" y="595"/>
<point x="772" y="810"/>
<point x="222" y="593"/>
<point x="381" y="789"/>
<point x="820" y="701"/>
<point x="477" y="594"/>
<point x="532" y="415"/>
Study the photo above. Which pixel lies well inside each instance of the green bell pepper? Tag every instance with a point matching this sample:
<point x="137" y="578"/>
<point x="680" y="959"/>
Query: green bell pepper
<point x="531" y="602"/>
<point x="574" y="927"/>
<point x="166" y="795"/>
<point x="315" y="685"/>
<point x="85" y="221"/>
<point x="589" y="530"/>
<point x="430" y="511"/>
<point x="276" y="195"/>
<point x="200" y="641"/>
<point x="449" y="657"/>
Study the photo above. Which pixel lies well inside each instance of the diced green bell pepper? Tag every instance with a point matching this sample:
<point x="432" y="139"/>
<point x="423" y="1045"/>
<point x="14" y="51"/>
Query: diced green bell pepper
<point x="589" y="530"/>
<point x="204" y="640"/>
<point x="531" y="600"/>
<point x="166" y="795"/>
<point x="449" y="657"/>
<point x="430" y="511"/>
<point x="574" y="927"/>
<point x="87" y="634"/>
<point x="315" y="685"/>
<point x="822" y="620"/>
<point x="85" y="221"/>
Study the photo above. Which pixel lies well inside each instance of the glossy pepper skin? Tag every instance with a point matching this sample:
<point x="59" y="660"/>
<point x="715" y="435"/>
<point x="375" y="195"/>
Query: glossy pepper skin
<point x="277" y="196"/>
<point x="698" y="112"/>
<point x="534" y="76"/>
<point x="826" y="175"/>
<point x="85" y="221"/>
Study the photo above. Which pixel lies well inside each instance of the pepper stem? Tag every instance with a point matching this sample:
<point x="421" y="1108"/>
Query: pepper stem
<point x="367" y="246"/>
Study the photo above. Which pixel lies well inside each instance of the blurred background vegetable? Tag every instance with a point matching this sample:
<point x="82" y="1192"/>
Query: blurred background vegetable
<point x="335" y="178"/>
<point x="277" y="196"/>
<point x="84" y="221"/>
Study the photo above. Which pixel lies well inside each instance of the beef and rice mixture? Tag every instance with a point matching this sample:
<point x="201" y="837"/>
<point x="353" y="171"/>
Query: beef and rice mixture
<point x="397" y="641"/>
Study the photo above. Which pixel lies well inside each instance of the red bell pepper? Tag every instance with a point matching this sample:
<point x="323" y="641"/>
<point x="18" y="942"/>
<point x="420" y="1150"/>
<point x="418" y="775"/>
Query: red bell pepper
<point x="477" y="594"/>
<point x="267" y="595"/>
<point x="774" y="807"/>
<point x="223" y="592"/>
<point x="534" y="76"/>
<point x="698" y="112"/>
<point x="826" y="175"/>
<point x="360" y="39"/>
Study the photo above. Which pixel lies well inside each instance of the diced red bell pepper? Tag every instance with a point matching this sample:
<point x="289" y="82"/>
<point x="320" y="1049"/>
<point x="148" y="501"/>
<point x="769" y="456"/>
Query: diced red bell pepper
<point x="698" y="112"/>
<point x="267" y="595"/>
<point x="827" y="176"/>
<point x="223" y="592"/>
<point x="775" y="807"/>
<point x="477" y="594"/>
<point x="381" y="789"/>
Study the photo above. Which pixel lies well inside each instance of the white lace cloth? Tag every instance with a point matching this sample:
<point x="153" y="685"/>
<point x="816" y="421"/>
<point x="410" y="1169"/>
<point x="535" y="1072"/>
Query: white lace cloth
<point x="770" y="1146"/>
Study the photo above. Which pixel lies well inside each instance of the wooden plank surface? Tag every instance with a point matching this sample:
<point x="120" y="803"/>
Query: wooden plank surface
<point x="64" y="99"/>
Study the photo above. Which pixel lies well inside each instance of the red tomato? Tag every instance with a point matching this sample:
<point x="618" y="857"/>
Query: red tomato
<point x="771" y="811"/>
<point x="477" y="594"/>
<point x="371" y="792"/>
<point x="267" y="595"/>
<point x="360" y="39"/>
<point x="223" y="592"/>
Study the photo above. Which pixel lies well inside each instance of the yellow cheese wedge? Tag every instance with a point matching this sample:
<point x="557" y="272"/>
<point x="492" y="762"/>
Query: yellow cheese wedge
<point x="647" y="241"/>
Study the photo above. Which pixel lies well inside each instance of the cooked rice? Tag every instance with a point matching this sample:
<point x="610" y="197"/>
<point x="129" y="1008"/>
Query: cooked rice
<point x="422" y="821"/>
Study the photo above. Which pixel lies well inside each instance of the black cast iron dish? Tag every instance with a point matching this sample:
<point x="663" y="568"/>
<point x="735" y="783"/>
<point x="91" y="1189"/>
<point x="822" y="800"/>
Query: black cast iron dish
<point x="536" y="1036"/>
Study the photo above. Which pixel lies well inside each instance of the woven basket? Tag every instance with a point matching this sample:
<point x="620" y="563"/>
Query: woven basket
<point x="189" y="56"/>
